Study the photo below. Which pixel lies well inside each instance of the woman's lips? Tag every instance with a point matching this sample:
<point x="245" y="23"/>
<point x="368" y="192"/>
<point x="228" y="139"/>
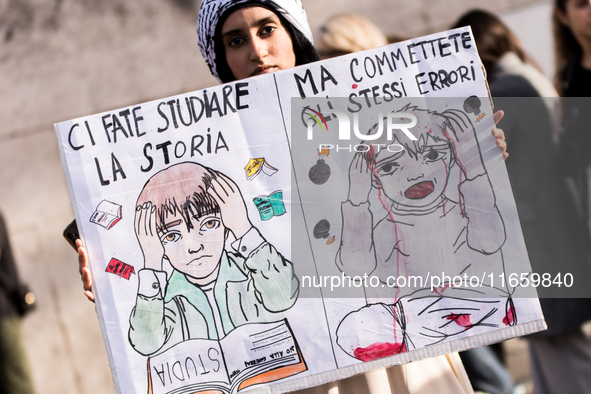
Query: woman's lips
<point x="419" y="190"/>
<point x="263" y="70"/>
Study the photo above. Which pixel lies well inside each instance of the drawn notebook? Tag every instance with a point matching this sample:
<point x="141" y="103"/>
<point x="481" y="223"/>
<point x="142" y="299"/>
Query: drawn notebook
<point x="271" y="205"/>
<point x="256" y="166"/>
<point x="250" y="355"/>
<point x="107" y="214"/>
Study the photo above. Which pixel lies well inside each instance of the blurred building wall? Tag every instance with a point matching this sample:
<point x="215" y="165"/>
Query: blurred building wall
<point x="61" y="59"/>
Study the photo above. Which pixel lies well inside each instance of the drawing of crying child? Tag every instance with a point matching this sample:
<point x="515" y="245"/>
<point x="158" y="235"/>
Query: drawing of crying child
<point x="184" y="215"/>
<point x="428" y="209"/>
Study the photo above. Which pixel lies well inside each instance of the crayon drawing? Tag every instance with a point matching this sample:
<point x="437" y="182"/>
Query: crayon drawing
<point x="438" y="214"/>
<point x="224" y="233"/>
<point x="184" y="215"/>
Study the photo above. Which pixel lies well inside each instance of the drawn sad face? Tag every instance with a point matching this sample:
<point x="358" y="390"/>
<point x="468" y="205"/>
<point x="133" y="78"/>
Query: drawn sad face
<point x="415" y="178"/>
<point x="195" y="253"/>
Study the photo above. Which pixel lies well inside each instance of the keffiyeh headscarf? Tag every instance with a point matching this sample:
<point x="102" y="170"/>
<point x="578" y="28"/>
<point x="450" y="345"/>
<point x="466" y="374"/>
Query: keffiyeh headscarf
<point x="213" y="14"/>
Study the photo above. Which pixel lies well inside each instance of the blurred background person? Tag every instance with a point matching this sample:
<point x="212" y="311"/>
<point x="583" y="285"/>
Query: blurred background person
<point x="555" y="231"/>
<point x="572" y="44"/>
<point x="511" y="72"/>
<point x="15" y="301"/>
<point x="347" y="33"/>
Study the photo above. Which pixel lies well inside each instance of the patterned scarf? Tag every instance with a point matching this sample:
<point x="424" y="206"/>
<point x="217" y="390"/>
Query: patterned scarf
<point x="212" y="11"/>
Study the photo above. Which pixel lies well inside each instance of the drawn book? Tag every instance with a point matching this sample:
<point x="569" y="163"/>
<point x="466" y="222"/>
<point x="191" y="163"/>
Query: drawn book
<point x="256" y="166"/>
<point x="107" y="214"/>
<point x="271" y="205"/>
<point x="251" y="354"/>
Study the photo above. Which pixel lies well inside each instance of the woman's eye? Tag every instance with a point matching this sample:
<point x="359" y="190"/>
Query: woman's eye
<point x="434" y="155"/>
<point x="235" y="41"/>
<point x="388" y="169"/>
<point x="267" y="30"/>
<point x="170" y="237"/>
<point x="211" y="224"/>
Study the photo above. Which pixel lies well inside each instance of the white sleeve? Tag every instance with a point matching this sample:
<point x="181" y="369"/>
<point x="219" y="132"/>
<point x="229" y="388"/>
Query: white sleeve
<point x="248" y="243"/>
<point x="151" y="283"/>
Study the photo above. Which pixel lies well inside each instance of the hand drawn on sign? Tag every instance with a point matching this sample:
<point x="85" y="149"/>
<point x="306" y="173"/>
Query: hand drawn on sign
<point x="438" y="215"/>
<point x="184" y="215"/>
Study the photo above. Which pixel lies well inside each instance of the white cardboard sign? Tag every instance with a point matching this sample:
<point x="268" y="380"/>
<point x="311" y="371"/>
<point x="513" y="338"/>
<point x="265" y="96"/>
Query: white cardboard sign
<point x="190" y="208"/>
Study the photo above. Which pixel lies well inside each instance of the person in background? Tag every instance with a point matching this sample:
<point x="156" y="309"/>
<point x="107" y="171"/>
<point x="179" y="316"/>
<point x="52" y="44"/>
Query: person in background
<point x="244" y="38"/>
<point x="572" y="42"/>
<point x="348" y="33"/>
<point x="15" y="301"/>
<point x="555" y="232"/>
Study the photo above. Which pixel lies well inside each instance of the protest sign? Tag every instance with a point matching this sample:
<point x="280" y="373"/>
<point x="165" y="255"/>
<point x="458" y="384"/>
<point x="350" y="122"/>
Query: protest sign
<point x="218" y="223"/>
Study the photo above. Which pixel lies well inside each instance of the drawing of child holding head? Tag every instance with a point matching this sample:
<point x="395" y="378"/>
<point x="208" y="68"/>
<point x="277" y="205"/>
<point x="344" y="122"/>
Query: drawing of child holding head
<point x="184" y="215"/>
<point x="436" y="214"/>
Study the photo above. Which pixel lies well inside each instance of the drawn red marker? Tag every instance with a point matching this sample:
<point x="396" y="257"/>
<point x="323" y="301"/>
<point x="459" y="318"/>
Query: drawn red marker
<point x="378" y="350"/>
<point x="461" y="320"/>
<point x="509" y="319"/>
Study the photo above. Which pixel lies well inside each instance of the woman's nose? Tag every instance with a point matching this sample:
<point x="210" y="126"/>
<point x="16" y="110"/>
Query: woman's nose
<point x="258" y="50"/>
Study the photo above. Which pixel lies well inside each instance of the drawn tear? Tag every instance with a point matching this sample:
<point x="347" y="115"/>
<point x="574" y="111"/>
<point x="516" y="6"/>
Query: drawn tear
<point x="461" y="320"/>
<point x="509" y="319"/>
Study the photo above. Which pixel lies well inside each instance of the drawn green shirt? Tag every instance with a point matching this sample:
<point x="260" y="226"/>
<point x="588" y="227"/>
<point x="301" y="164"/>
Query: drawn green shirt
<point x="255" y="284"/>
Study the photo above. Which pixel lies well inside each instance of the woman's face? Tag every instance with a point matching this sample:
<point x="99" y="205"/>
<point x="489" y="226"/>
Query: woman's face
<point x="255" y="42"/>
<point x="577" y="17"/>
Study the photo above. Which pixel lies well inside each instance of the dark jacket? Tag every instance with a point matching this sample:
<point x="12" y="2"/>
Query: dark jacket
<point x="8" y="275"/>
<point x="555" y="232"/>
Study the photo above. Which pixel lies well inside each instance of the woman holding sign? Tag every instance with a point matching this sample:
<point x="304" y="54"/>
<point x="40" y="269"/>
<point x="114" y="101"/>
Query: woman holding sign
<point x="245" y="38"/>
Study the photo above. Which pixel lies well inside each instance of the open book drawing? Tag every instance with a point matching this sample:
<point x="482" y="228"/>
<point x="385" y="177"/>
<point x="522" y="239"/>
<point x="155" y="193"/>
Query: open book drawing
<point x="107" y="214"/>
<point x="271" y="205"/>
<point x="256" y="166"/>
<point x="252" y="354"/>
